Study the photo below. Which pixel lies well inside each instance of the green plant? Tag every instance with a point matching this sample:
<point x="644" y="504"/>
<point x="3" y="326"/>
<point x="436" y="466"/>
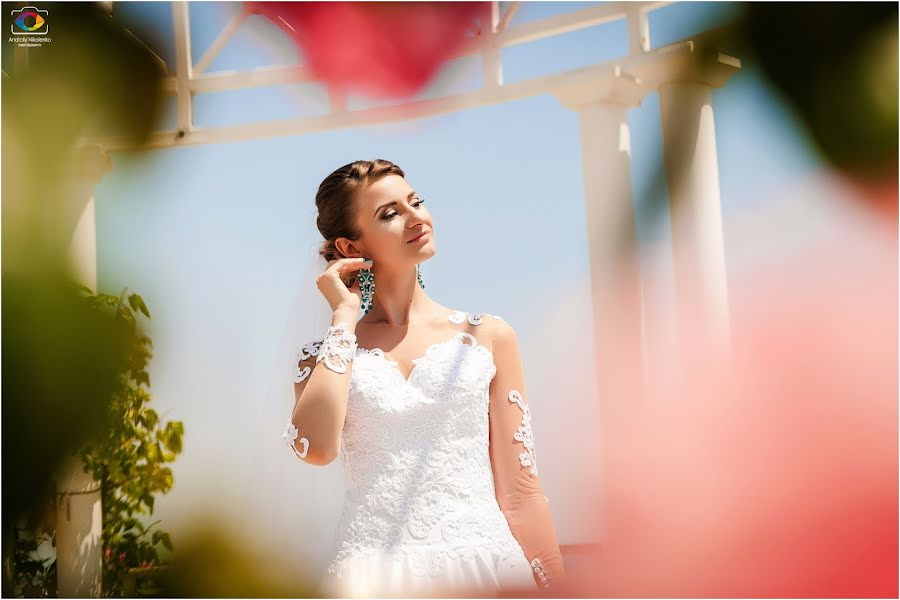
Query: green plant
<point x="130" y="462"/>
<point x="35" y="577"/>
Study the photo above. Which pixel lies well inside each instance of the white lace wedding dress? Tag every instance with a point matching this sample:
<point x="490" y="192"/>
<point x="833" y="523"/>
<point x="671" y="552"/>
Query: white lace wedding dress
<point x="421" y="514"/>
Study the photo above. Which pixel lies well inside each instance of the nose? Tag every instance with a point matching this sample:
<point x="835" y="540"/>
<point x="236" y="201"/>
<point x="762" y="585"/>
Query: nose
<point x="415" y="219"/>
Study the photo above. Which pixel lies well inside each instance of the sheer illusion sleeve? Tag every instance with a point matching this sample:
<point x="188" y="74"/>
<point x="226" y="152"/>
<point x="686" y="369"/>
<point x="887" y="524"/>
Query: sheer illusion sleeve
<point x="514" y="463"/>
<point x="307" y="358"/>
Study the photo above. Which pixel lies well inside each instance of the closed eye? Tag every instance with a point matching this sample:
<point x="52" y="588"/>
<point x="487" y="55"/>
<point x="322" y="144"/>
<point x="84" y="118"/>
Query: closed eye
<point x="390" y="215"/>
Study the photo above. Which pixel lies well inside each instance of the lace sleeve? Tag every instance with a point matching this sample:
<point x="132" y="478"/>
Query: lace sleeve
<point x="307" y="357"/>
<point x="514" y="463"/>
<point x="336" y="351"/>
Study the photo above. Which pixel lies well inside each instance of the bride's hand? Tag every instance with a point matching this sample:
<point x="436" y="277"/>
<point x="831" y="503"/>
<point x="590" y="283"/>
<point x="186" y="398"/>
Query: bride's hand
<point x="330" y="283"/>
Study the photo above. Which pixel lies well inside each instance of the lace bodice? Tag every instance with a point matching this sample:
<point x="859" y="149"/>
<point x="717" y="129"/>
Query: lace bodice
<point x="415" y="452"/>
<point x="420" y="468"/>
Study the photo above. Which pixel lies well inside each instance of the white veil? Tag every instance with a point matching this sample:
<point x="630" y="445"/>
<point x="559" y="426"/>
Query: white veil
<point x="291" y="507"/>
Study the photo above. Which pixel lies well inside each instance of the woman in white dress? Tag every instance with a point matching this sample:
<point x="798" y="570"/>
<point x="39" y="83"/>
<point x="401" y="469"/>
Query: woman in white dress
<point x="425" y="405"/>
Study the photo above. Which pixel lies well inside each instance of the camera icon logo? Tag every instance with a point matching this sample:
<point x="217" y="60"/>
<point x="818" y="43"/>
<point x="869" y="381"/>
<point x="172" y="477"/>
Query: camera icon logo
<point x="30" y="20"/>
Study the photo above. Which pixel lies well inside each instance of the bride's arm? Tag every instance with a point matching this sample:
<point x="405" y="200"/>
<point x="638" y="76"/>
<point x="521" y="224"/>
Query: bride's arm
<point x="321" y="389"/>
<point x="513" y="461"/>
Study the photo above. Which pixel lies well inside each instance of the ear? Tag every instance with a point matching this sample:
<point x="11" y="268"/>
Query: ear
<point x="348" y="248"/>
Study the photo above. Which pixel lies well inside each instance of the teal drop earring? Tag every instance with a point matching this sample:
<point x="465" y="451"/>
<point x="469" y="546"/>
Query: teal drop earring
<point x="367" y="286"/>
<point x="419" y="277"/>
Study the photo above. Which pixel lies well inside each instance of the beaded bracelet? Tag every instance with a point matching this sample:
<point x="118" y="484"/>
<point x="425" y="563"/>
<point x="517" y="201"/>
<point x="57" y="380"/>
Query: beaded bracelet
<point x="338" y="348"/>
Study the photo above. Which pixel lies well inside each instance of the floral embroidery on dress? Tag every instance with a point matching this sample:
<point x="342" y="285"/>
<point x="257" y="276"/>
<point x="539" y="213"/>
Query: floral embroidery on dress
<point x="417" y="467"/>
<point x="338" y="348"/>
<point x="302" y="373"/>
<point x="524" y="433"/>
<point x="309" y="349"/>
<point x="290" y="436"/>
<point x="457" y="316"/>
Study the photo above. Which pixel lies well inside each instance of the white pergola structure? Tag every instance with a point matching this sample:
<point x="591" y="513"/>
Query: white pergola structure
<point x="601" y="94"/>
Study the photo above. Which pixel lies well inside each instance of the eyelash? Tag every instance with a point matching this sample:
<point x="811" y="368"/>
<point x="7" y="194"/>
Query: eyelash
<point x="388" y="217"/>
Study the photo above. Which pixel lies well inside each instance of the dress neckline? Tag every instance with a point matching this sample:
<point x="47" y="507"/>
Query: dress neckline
<point x="455" y="316"/>
<point x="459" y="336"/>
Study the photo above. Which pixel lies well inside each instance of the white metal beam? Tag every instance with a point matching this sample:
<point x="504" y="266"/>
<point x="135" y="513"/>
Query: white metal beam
<point x="184" y="67"/>
<point x="494" y="36"/>
<point x="223" y="38"/>
<point x="632" y="78"/>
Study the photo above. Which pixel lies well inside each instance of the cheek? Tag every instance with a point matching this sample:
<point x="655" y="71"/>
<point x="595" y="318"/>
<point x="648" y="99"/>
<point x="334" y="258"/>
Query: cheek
<point x="387" y="234"/>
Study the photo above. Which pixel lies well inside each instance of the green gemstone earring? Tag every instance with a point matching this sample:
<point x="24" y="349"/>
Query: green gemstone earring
<point x="419" y="277"/>
<point x="367" y="286"/>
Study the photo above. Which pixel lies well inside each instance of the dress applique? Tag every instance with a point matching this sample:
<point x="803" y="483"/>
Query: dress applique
<point x="420" y="513"/>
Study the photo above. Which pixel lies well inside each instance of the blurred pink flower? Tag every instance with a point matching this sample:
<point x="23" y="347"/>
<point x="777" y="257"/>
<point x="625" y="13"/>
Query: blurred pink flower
<point x="775" y="475"/>
<point x="383" y="49"/>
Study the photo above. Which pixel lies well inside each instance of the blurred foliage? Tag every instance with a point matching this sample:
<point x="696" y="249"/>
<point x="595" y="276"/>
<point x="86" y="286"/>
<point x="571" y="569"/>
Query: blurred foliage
<point x="63" y="357"/>
<point x="59" y="373"/>
<point x="836" y="65"/>
<point x="94" y="78"/>
<point x="128" y="461"/>
<point x="213" y="564"/>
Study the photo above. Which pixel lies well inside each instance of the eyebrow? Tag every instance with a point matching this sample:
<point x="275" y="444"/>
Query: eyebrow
<point x="392" y="202"/>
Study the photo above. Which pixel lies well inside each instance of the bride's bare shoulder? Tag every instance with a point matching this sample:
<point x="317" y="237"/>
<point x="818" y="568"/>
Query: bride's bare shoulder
<point x="484" y="327"/>
<point x="497" y="325"/>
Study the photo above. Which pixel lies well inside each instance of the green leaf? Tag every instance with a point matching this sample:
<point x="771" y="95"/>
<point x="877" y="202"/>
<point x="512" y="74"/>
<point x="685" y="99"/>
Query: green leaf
<point x="150" y="418"/>
<point x="84" y="288"/>
<point x="167" y="542"/>
<point x="137" y="303"/>
<point x="173" y="436"/>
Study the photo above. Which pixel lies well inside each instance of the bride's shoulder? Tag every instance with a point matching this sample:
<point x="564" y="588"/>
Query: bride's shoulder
<point x="499" y="327"/>
<point x="486" y="327"/>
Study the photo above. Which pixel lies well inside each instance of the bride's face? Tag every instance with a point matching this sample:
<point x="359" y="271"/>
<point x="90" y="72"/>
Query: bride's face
<point x="389" y="214"/>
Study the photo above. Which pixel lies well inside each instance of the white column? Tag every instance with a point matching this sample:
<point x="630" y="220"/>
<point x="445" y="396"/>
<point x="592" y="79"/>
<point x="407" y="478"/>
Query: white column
<point x="610" y="223"/>
<point x="614" y="260"/>
<point x="698" y="248"/>
<point x="79" y="525"/>
<point x="79" y="522"/>
<point x="87" y="166"/>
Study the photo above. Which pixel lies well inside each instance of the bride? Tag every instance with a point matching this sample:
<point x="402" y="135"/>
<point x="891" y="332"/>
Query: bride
<point x="426" y="407"/>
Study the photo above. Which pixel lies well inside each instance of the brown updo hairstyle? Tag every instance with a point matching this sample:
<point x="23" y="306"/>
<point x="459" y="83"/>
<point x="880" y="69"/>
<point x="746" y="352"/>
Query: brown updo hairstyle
<point x="336" y="201"/>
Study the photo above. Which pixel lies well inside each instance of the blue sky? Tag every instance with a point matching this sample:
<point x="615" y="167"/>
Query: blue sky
<point x="210" y="235"/>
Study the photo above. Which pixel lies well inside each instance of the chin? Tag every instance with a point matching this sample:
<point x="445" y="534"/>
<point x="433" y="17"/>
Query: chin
<point x="427" y="251"/>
